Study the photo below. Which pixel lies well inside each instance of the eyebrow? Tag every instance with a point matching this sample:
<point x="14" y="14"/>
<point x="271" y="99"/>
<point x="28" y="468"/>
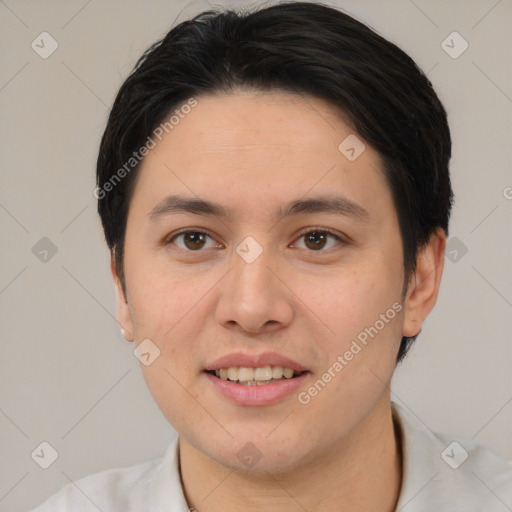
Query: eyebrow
<point x="336" y="205"/>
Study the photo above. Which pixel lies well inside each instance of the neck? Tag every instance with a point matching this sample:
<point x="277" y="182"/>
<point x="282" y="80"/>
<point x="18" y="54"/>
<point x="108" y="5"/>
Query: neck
<point x="362" y="473"/>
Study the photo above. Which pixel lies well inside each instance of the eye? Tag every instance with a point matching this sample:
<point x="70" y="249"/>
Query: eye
<point x="316" y="239"/>
<point x="192" y="240"/>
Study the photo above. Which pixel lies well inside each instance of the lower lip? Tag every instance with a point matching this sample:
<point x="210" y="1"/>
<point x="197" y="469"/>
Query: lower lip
<point x="266" y="394"/>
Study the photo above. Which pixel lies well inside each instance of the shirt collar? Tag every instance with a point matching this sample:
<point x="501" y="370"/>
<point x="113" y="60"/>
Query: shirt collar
<point x="441" y="472"/>
<point x="166" y="490"/>
<point x="419" y="460"/>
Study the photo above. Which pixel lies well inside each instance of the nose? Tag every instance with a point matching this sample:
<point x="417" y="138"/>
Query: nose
<point x="254" y="297"/>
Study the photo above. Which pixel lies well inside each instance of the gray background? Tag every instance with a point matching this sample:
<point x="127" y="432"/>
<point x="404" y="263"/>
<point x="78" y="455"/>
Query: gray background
<point x="68" y="378"/>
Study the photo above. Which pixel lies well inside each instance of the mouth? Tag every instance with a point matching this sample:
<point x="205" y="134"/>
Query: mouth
<point x="259" y="376"/>
<point x="256" y="379"/>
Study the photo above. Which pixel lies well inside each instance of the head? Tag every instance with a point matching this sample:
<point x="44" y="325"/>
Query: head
<point x="303" y="129"/>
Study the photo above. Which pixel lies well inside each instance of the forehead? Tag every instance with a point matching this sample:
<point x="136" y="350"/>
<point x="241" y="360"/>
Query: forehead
<point x="263" y="118"/>
<point x="255" y="148"/>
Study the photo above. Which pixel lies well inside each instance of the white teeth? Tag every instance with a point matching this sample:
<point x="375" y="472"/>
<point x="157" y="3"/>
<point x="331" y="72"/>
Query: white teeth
<point x="277" y="372"/>
<point x="255" y="376"/>
<point x="255" y="382"/>
<point x="245" y="373"/>
<point x="264" y="373"/>
<point x="288" y="373"/>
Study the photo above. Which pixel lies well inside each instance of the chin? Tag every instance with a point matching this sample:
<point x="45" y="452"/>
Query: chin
<point x="258" y="452"/>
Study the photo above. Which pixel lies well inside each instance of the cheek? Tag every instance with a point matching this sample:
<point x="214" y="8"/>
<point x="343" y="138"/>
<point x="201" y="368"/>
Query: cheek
<point x="161" y="298"/>
<point x="362" y="310"/>
<point x="171" y="307"/>
<point x="172" y="392"/>
<point x="348" y="300"/>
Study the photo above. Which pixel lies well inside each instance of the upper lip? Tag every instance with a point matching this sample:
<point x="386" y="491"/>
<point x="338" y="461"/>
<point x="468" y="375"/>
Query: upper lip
<point x="240" y="359"/>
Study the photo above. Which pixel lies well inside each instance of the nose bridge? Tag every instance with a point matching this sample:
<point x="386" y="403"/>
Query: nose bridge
<point x="251" y="267"/>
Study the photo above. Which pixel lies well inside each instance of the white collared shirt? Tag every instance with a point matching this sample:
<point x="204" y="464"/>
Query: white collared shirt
<point x="440" y="474"/>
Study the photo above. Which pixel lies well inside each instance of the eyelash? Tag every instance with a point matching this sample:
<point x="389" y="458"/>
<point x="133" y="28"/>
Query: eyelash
<point x="306" y="231"/>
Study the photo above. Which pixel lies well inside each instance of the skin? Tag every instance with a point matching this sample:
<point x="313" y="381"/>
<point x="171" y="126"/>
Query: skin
<point x="254" y="153"/>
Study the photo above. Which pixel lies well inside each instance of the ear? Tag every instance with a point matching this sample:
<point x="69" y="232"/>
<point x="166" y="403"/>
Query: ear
<point x="123" y="313"/>
<point x="423" y="286"/>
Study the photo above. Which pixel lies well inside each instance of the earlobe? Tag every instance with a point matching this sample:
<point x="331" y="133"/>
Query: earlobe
<point x="123" y="312"/>
<point x="424" y="284"/>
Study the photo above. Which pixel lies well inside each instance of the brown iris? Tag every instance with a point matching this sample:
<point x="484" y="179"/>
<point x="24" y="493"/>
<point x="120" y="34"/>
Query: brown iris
<point x="194" y="239"/>
<point x="316" y="238"/>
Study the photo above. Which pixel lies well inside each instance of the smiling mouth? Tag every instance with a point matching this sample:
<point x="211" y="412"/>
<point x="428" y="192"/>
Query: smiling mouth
<point x="255" y="376"/>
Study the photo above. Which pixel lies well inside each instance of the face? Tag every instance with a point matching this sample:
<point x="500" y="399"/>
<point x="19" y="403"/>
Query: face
<point x="270" y="278"/>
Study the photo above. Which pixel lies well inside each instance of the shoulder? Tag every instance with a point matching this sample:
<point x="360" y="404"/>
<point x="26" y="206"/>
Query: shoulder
<point x="126" y="489"/>
<point x="442" y="470"/>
